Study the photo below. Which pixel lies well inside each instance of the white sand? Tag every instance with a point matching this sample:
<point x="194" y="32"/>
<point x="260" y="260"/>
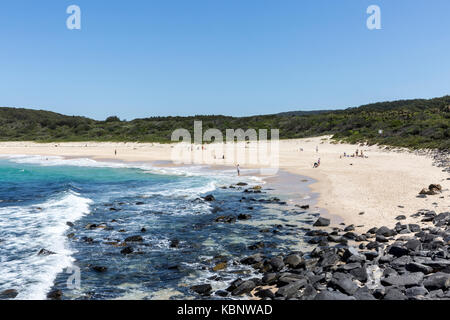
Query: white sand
<point x="376" y="185"/>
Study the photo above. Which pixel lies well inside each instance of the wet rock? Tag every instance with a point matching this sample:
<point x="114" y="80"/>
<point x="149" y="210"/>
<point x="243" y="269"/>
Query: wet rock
<point x="127" y="250"/>
<point x="322" y="222"/>
<point x="70" y="224"/>
<point x="209" y="198"/>
<point x="226" y="219"/>
<point x="220" y="266"/>
<point x="99" y="269"/>
<point x="243" y="216"/>
<point x="265" y="293"/>
<point x="202" y="289"/>
<point x="244" y="287"/>
<point x="270" y="278"/>
<point x="8" y="294"/>
<point x="381" y="238"/>
<point x="294" y="261"/>
<point x="221" y="293"/>
<point x="143" y="230"/>
<point x="55" y="295"/>
<point x="134" y="239"/>
<point x="256" y="258"/>
<point x="332" y="295"/>
<point x="290" y="290"/>
<point x="175" y="243"/>
<point x="45" y="252"/>
<point x="256" y="246"/>
<point x="276" y="263"/>
<point x="242" y="184"/>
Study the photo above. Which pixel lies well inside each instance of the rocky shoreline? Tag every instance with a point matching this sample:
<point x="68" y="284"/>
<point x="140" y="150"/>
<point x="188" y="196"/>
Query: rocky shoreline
<point x="405" y="262"/>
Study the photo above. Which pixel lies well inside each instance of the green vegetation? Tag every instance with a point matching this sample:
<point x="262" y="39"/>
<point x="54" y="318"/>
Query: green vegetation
<point x="407" y="123"/>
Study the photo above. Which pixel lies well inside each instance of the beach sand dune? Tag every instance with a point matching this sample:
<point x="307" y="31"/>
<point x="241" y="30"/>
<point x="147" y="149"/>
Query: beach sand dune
<point x="369" y="191"/>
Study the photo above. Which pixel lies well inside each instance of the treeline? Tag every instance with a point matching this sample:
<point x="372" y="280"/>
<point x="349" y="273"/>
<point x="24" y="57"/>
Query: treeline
<point x="407" y="123"/>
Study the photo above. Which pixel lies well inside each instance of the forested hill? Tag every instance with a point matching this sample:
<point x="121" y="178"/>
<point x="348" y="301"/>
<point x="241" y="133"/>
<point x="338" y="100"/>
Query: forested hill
<point x="407" y="123"/>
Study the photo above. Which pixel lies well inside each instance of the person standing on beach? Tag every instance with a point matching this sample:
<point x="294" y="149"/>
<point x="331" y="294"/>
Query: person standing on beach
<point x="115" y="152"/>
<point x="238" y="170"/>
<point x="317" y="148"/>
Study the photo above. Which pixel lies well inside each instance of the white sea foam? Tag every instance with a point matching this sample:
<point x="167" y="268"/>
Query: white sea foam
<point x="25" y="231"/>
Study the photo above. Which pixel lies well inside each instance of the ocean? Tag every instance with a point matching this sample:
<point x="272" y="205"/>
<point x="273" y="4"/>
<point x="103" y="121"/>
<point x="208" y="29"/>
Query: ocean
<point x="80" y="211"/>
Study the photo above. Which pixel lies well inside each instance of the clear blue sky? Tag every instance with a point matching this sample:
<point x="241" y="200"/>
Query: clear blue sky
<point x="143" y="58"/>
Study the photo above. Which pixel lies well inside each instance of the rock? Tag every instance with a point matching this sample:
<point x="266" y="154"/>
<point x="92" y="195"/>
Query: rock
<point x="276" y="263"/>
<point x="398" y="251"/>
<point x="140" y="203"/>
<point x="322" y="222"/>
<point x="45" y="252"/>
<point x="70" y="224"/>
<point x="332" y="295"/>
<point x="127" y="250"/>
<point x="394" y="294"/>
<point x="364" y="294"/>
<point x="174" y="243"/>
<point x="134" y="239"/>
<point x="359" y="274"/>
<point x="220" y="266"/>
<point x="244" y="216"/>
<point x="244" y="287"/>
<point x="406" y="280"/>
<point x="294" y="261"/>
<point x="290" y="290"/>
<point x="349" y="228"/>
<point x="209" y="198"/>
<point x="202" y="289"/>
<point x="99" y="269"/>
<point x="257" y="245"/>
<point x="8" y="294"/>
<point x="242" y="184"/>
<point x="401" y="217"/>
<point x="265" y="293"/>
<point x="256" y="258"/>
<point x="143" y="230"/>
<point x="373" y="230"/>
<point x="435" y="187"/>
<point x="226" y="219"/>
<point x="414" y="292"/>
<point x="437" y="281"/>
<point x="270" y="278"/>
<point x="418" y="267"/>
<point x="381" y="238"/>
<point x="221" y="293"/>
<point x="413" y="245"/>
<point x="386" y="232"/>
<point x="352" y="254"/>
<point x="344" y="283"/>
<point x="54" y="295"/>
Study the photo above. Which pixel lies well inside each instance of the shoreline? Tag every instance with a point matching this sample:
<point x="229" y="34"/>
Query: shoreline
<point x="383" y="186"/>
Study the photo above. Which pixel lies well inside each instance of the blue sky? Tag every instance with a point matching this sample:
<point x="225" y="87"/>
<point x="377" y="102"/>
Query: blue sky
<point x="142" y="58"/>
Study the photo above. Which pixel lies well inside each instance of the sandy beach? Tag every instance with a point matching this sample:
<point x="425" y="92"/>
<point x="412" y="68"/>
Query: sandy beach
<point x="369" y="191"/>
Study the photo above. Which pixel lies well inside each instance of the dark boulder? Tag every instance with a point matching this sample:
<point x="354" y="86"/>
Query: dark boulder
<point x="127" y="250"/>
<point x="344" y="283"/>
<point x="54" y="295"/>
<point x="406" y="280"/>
<point x="398" y="251"/>
<point x="322" y="222"/>
<point x="256" y="258"/>
<point x="394" y="294"/>
<point x="276" y="263"/>
<point x="202" y="289"/>
<point x="243" y="288"/>
<point x="8" y="294"/>
<point x="364" y="294"/>
<point x="134" y="239"/>
<point x="437" y="281"/>
<point x="209" y="198"/>
<point x="385" y="231"/>
<point x="45" y="252"/>
<point x="415" y="292"/>
<point x="332" y="295"/>
<point x="99" y="269"/>
<point x="244" y="216"/>
<point x="290" y="290"/>
<point x="294" y="261"/>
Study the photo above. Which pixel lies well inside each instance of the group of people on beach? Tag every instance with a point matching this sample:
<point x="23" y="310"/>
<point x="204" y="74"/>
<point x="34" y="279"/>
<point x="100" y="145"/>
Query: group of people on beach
<point x="357" y="154"/>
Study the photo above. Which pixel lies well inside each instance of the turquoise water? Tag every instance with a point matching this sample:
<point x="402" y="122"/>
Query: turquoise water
<point x="52" y="203"/>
